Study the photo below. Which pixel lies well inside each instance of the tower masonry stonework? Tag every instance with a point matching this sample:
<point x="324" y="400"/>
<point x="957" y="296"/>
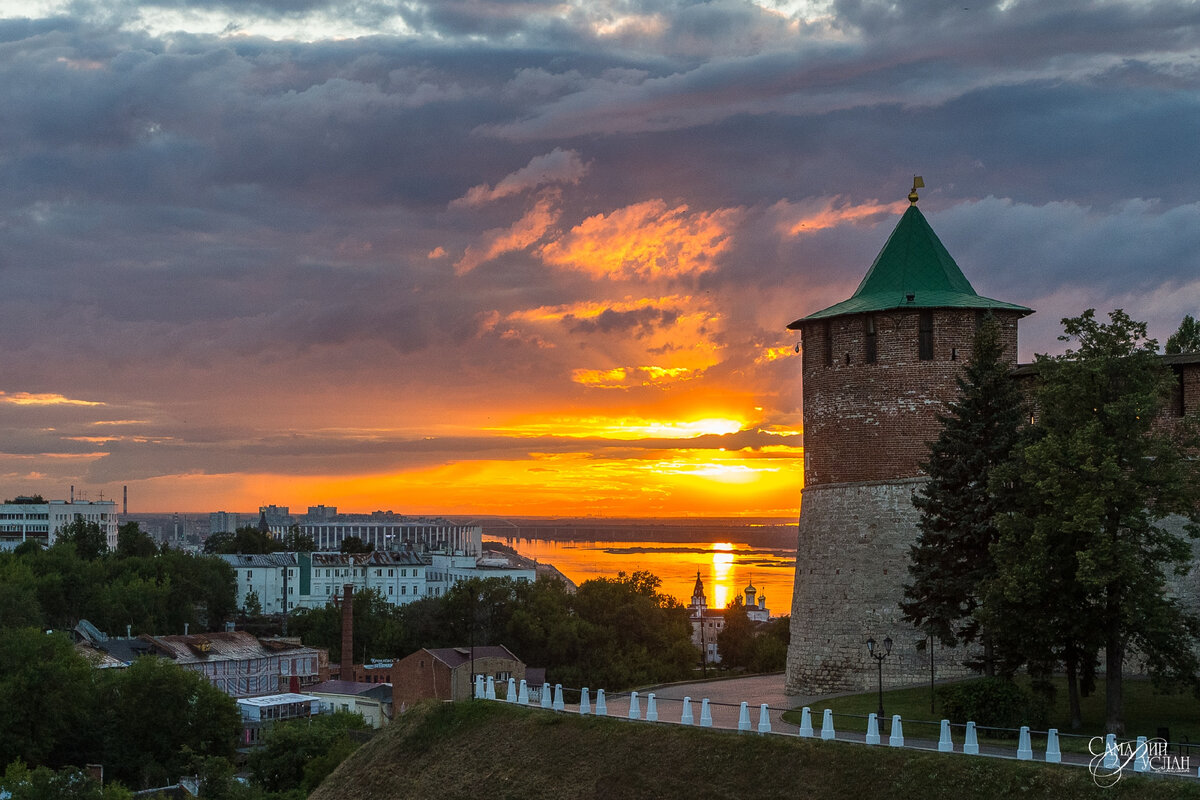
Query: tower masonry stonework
<point x="877" y="370"/>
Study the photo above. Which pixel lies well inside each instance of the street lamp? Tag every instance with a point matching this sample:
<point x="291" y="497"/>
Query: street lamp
<point x="879" y="657"/>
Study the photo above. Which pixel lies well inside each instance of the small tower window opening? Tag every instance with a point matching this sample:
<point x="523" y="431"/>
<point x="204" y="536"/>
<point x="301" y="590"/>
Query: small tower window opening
<point x="869" y="337"/>
<point x="827" y="332"/>
<point x="925" y="336"/>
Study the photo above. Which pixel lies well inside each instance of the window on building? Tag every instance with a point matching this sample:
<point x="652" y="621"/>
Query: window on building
<point x="869" y="338"/>
<point x="391" y="590"/>
<point x="390" y="571"/>
<point x="925" y="336"/>
<point x="403" y="590"/>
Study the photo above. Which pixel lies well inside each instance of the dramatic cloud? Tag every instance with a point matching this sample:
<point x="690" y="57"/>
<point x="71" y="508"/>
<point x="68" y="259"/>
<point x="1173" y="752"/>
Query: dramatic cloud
<point x="537" y="256"/>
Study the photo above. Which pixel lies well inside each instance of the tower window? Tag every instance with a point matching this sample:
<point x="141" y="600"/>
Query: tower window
<point x="827" y="330"/>
<point x="869" y="337"/>
<point x="925" y="336"/>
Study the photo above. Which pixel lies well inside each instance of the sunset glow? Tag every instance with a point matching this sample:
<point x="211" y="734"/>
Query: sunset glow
<point x="535" y="258"/>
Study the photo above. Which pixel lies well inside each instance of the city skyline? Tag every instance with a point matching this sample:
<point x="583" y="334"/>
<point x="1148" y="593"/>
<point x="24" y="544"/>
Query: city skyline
<point x="537" y="258"/>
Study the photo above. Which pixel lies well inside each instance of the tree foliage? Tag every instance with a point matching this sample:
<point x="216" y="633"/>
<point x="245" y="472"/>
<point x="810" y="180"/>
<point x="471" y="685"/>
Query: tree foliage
<point x="1186" y="339"/>
<point x="86" y="538"/>
<point x="354" y="544"/>
<point x="959" y="505"/>
<point x="1085" y="548"/>
<point x="132" y="541"/>
<point x="299" y="754"/>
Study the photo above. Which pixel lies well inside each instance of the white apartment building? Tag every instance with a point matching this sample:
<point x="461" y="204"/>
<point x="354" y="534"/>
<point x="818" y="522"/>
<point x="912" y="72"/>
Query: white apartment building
<point x="445" y="570"/>
<point x="400" y="577"/>
<point x="263" y="574"/>
<point x="41" y="522"/>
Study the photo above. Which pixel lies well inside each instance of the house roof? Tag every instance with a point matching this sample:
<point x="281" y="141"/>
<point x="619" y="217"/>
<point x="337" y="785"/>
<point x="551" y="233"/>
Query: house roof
<point x="913" y="270"/>
<point x="252" y="560"/>
<point x="456" y="656"/>
<point x="220" y="646"/>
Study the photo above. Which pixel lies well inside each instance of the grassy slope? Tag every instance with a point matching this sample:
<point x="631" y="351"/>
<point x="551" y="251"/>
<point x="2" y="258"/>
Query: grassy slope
<point x="1145" y="710"/>
<point x="490" y="749"/>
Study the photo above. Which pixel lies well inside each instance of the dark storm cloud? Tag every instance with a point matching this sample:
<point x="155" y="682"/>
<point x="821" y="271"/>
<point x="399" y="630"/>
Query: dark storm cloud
<point x="190" y="219"/>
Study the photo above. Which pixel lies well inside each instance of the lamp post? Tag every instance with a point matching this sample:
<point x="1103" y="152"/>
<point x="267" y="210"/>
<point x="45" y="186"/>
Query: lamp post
<point x="879" y="657"/>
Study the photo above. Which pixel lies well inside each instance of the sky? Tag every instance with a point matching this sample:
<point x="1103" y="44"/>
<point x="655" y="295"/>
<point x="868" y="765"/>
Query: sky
<point x="526" y="257"/>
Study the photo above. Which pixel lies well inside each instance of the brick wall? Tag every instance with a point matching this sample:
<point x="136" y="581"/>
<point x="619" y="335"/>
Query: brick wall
<point x="851" y="565"/>
<point x="870" y="422"/>
<point x="421" y="676"/>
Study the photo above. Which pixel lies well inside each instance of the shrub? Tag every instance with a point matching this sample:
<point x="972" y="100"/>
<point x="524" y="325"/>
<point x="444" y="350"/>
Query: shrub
<point x="992" y="702"/>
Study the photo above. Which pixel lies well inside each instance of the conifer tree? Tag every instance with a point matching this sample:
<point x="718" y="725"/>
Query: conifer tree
<point x="950" y="559"/>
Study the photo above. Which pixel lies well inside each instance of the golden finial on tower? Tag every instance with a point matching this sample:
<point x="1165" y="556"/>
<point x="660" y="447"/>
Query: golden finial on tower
<point x="918" y="183"/>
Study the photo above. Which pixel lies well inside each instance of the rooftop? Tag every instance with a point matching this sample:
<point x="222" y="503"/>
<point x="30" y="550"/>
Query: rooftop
<point x="913" y="270"/>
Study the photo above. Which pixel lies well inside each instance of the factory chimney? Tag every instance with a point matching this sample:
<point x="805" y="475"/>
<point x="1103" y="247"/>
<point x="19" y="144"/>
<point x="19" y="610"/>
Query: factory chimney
<point x="125" y="502"/>
<point x="347" y="632"/>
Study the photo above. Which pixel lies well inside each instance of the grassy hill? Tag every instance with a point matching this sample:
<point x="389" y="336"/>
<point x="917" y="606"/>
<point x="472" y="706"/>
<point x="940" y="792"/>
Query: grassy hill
<point x="500" y="751"/>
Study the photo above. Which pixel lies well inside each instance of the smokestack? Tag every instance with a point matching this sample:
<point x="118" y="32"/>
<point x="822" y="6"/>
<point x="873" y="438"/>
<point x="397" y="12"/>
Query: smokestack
<point x="125" y="502"/>
<point x="347" y="632"/>
<point x="72" y="493"/>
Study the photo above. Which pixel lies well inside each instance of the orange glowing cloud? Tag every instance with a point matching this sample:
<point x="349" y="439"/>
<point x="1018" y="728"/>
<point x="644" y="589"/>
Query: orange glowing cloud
<point x="44" y="399"/>
<point x="624" y="428"/>
<point x="821" y="213"/>
<point x="644" y="241"/>
<point x="523" y="233"/>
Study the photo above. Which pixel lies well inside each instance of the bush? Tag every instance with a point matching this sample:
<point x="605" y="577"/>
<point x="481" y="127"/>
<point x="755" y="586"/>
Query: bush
<point x="992" y="702"/>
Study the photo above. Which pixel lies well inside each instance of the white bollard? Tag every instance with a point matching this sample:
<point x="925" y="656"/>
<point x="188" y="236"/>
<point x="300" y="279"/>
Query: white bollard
<point x="546" y="701"/>
<point x="971" y="742"/>
<point x="651" y="708"/>
<point x="559" y="705"/>
<point x="705" y="714"/>
<point x="491" y="688"/>
<point x="585" y="702"/>
<point x="806" y="729"/>
<point x="945" y="743"/>
<point x="1110" y="752"/>
<point x="635" y="709"/>
<point x="873" y="728"/>
<point x="601" y="706"/>
<point x="523" y="698"/>
<point x="764" y="718"/>
<point x="1141" y="762"/>
<point x="478" y="687"/>
<point x="897" y="737"/>
<point x="827" y="724"/>
<point x="686" y="717"/>
<point x="1024" y="749"/>
<point x="511" y="695"/>
<point x="744" y="718"/>
<point x="1053" y="754"/>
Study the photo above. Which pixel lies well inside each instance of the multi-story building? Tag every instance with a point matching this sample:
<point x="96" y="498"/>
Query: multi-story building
<point x="223" y="522"/>
<point x="398" y="576"/>
<point x="446" y="569"/>
<point x="379" y="530"/>
<point x="264" y="575"/>
<point x="26" y="520"/>
<point x="242" y="666"/>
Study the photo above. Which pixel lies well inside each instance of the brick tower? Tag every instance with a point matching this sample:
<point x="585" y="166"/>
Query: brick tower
<point x="877" y="369"/>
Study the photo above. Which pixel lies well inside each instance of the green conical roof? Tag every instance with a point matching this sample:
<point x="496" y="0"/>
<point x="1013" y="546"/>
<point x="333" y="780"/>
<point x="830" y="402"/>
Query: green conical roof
<point x="913" y="270"/>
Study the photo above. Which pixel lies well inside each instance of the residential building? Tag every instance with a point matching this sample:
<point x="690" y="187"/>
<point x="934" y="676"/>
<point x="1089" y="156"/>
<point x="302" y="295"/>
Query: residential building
<point x="223" y="522"/>
<point x="264" y="575"/>
<point x="400" y="577"/>
<point x="243" y="666"/>
<point x="372" y="700"/>
<point x="447" y="569"/>
<point x="25" y="520"/>
<point x="447" y="673"/>
<point x="261" y="712"/>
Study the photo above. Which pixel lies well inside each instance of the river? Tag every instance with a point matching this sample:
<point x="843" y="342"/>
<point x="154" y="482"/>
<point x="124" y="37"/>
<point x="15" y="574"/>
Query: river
<point x="724" y="567"/>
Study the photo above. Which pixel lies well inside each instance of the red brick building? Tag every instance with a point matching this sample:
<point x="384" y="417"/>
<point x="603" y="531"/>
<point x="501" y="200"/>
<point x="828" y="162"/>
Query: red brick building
<point x="446" y="673"/>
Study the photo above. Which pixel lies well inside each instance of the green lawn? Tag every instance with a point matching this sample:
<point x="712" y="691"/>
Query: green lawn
<point x="1146" y="710"/>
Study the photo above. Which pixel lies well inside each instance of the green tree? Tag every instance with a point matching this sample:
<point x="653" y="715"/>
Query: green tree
<point x="87" y="538"/>
<point x="735" y="642"/>
<point x="252" y="605"/>
<point x="1186" y="339"/>
<point x="47" y="698"/>
<point x="132" y="541"/>
<point x="1100" y="482"/>
<point x="354" y="544"/>
<point x="191" y="718"/>
<point x="43" y="783"/>
<point x="299" y="754"/>
<point x="958" y="505"/>
<point x="296" y="542"/>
